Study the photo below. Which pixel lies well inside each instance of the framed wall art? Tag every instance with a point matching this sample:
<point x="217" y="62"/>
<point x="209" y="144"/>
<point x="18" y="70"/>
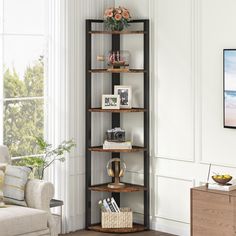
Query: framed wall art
<point x="229" y="64"/>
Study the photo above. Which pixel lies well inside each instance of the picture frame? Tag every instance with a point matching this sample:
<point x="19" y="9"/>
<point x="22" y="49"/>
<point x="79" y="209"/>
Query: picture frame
<point x="125" y="93"/>
<point x="110" y="101"/>
<point x="229" y="88"/>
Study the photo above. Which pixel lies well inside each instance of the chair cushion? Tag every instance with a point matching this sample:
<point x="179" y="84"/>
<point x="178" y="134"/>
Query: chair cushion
<point x="14" y="184"/>
<point x="17" y="220"/>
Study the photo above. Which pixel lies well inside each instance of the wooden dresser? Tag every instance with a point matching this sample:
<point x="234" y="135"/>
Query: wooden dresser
<point x="213" y="212"/>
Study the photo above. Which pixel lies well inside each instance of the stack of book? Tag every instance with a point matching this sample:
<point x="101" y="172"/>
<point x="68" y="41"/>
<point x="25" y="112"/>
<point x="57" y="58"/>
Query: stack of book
<point x="225" y="187"/>
<point x="117" y="145"/>
<point x="109" y="205"/>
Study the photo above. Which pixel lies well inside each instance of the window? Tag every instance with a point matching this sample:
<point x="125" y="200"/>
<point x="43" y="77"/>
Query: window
<point x="23" y="54"/>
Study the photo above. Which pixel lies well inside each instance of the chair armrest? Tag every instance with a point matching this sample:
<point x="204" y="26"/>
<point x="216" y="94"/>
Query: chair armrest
<point x="38" y="194"/>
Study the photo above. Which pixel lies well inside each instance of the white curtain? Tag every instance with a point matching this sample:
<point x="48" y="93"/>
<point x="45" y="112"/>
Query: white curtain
<point x="65" y="116"/>
<point x="60" y="117"/>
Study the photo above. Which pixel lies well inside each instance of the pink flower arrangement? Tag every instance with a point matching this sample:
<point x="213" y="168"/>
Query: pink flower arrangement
<point x="116" y="19"/>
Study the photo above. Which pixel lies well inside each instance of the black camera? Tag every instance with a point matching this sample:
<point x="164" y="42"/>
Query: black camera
<point x="115" y="135"/>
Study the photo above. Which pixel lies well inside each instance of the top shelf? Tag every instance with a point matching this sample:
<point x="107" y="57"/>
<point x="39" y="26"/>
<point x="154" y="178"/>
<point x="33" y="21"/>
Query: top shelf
<point x="117" y="71"/>
<point x="117" y="32"/>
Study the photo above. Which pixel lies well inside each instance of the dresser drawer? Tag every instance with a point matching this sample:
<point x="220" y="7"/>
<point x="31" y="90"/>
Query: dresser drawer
<point x="212" y="214"/>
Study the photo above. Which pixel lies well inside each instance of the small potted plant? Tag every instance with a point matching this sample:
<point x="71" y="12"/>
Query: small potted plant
<point x="50" y="155"/>
<point x="116" y="19"/>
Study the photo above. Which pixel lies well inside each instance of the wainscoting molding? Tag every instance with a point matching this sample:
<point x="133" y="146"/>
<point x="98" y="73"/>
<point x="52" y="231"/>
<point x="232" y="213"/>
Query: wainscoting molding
<point x="175" y="102"/>
<point x="165" y="188"/>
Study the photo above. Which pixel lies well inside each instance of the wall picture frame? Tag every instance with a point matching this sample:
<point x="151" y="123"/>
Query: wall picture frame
<point x="125" y="93"/>
<point x="110" y="101"/>
<point x="229" y="68"/>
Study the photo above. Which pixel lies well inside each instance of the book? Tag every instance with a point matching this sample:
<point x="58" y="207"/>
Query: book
<point x="117" y="145"/>
<point x="117" y="209"/>
<point x="105" y="204"/>
<point x="226" y="187"/>
<point x="110" y="205"/>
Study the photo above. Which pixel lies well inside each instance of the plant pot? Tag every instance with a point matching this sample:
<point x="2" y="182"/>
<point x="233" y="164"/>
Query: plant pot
<point x="117" y="27"/>
<point x="38" y="173"/>
<point x="114" y="25"/>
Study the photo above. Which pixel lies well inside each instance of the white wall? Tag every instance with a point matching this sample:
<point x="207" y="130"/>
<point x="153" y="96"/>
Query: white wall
<point x="81" y="10"/>
<point x="187" y="41"/>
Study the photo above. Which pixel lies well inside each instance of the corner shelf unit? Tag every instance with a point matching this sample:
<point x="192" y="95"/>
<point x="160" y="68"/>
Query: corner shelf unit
<point x="115" y="77"/>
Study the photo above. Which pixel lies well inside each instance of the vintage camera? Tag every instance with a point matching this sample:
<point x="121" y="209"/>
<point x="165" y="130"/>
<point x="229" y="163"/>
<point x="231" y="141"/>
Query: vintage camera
<point x="115" y="135"/>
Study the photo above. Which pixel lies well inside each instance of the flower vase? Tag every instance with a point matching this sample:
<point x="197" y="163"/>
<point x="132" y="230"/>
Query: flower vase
<point x="117" y="27"/>
<point x="116" y="19"/>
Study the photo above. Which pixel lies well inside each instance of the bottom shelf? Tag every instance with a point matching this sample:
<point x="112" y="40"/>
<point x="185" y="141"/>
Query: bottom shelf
<point x="136" y="228"/>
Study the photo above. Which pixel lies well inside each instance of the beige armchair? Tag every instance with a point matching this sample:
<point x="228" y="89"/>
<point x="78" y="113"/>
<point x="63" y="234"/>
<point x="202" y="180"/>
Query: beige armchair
<point x="33" y="220"/>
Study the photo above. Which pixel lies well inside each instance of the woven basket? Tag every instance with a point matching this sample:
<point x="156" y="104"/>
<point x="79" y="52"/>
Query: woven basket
<point x="123" y="219"/>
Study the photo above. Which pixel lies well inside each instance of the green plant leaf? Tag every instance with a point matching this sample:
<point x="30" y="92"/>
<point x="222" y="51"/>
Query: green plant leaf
<point x="50" y="155"/>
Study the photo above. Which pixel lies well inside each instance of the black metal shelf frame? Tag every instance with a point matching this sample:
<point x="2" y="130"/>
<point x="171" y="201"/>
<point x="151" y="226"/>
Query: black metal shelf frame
<point x="116" y="116"/>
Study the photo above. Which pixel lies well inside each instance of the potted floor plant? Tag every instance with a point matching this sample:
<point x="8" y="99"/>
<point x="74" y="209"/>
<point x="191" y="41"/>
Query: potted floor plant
<point x="40" y="163"/>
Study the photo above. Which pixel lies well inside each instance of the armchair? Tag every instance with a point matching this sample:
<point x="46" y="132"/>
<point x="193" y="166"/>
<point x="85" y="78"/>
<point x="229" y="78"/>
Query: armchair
<point x="33" y="220"/>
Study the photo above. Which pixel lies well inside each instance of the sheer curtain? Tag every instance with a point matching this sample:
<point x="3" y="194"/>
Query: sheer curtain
<point x="60" y="117"/>
<point x="65" y="88"/>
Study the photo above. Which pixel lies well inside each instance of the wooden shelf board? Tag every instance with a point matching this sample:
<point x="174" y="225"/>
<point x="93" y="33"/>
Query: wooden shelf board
<point x="117" y="32"/>
<point x="100" y="149"/>
<point x="99" y="109"/>
<point x="115" y="71"/>
<point x="136" y="228"/>
<point x="127" y="189"/>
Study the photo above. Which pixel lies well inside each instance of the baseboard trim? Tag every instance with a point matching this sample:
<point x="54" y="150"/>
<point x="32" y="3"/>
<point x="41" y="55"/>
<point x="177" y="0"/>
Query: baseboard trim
<point x="171" y="227"/>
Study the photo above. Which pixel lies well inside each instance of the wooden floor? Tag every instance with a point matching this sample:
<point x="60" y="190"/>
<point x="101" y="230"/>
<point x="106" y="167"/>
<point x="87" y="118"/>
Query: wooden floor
<point x="92" y="233"/>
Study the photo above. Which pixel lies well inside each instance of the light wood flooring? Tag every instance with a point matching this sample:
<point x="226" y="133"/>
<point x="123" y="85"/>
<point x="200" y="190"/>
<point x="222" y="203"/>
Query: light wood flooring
<point x="92" y="233"/>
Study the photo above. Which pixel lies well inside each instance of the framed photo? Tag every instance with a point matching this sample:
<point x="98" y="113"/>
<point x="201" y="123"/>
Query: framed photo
<point x="125" y="93"/>
<point x="229" y="88"/>
<point x="110" y="101"/>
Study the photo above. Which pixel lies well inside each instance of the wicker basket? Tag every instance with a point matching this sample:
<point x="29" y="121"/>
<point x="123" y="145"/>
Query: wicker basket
<point x="123" y="219"/>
